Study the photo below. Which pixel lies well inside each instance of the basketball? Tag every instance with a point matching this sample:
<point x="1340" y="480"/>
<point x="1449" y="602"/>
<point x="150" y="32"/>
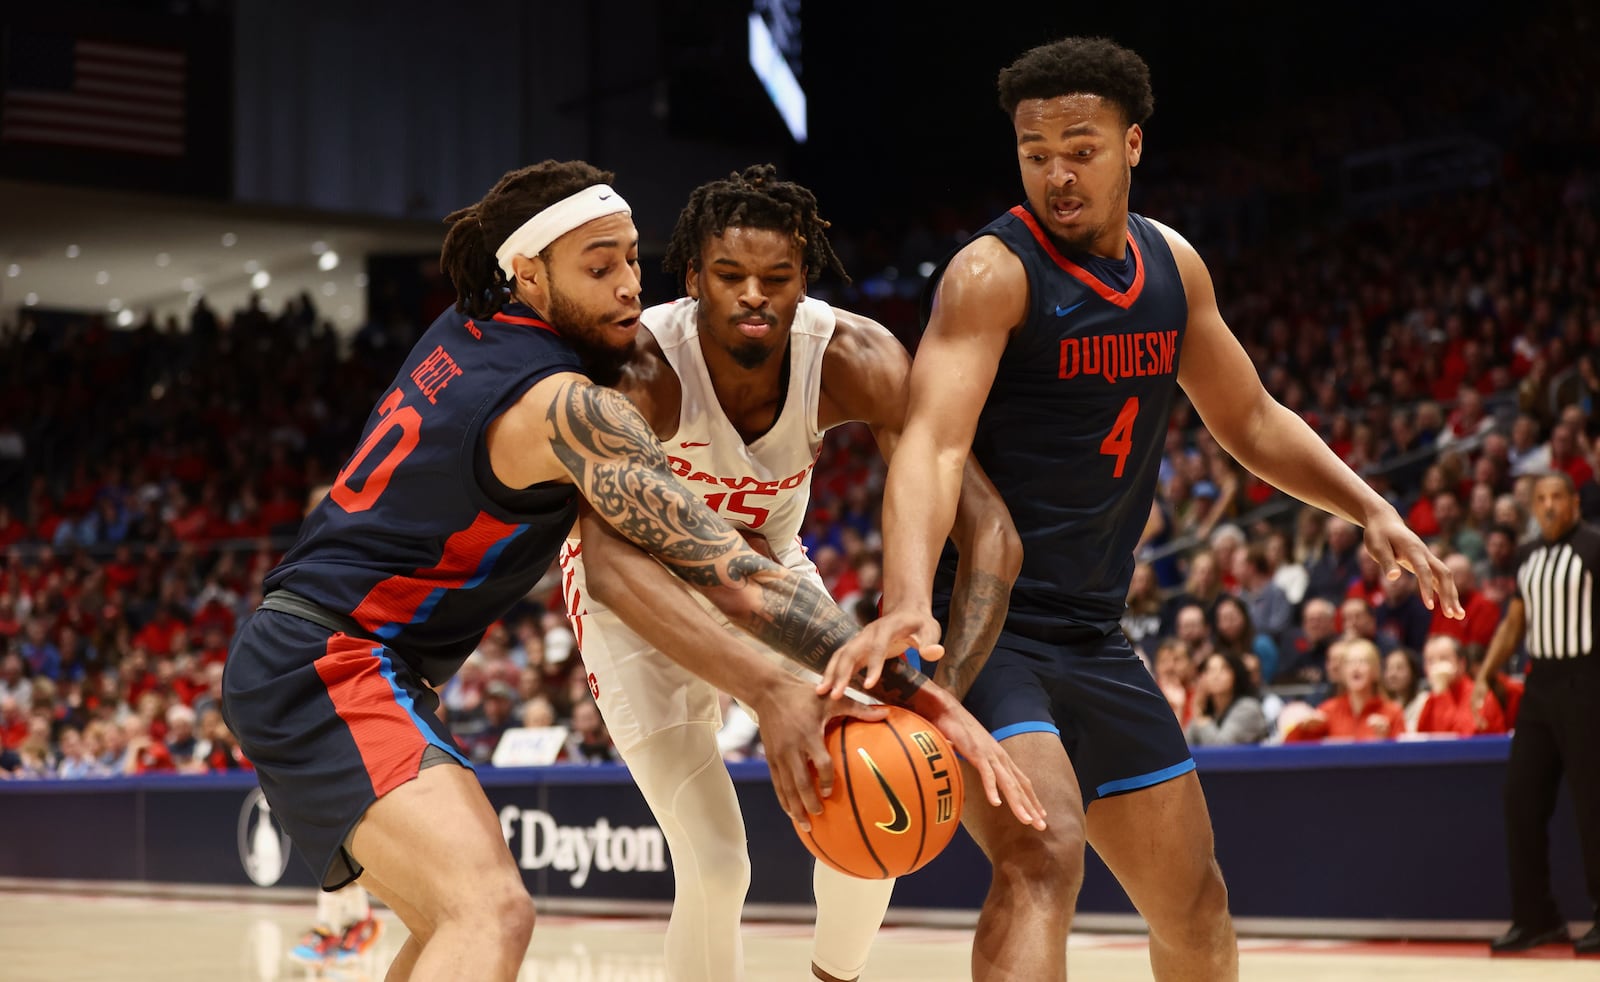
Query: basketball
<point x="896" y="798"/>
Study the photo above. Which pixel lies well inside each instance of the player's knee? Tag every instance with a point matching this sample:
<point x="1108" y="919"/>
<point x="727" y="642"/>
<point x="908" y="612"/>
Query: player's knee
<point x="722" y="867"/>
<point x="512" y="913"/>
<point x="1198" y="916"/>
<point x="1050" y="862"/>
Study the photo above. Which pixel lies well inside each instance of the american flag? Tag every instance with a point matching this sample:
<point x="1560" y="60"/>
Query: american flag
<point x="94" y="95"/>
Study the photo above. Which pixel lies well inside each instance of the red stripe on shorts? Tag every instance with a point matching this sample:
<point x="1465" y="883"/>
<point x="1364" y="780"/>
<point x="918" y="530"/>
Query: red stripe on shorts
<point x="387" y="737"/>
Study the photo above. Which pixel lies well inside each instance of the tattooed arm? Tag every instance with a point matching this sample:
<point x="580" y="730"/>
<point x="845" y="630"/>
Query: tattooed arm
<point x="990" y="558"/>
<point x="865" y="377"/>
<point x="610" y="453"/>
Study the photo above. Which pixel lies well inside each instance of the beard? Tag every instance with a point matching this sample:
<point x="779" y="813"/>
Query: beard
<point x="1084" y="239"/>
<point x="585" y="333"/>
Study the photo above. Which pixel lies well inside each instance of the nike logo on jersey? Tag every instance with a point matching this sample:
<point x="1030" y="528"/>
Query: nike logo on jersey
<point x="686" y="446"/>
<point x="604" y="197"/>
<point x="902" y="818"/>
<point x="1064" y="311"/>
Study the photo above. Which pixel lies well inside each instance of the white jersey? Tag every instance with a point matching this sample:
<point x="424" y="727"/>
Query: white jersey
<point x="763" y="486"/>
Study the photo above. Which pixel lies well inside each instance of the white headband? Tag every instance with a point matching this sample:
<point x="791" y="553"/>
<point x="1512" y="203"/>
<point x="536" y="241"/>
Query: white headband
<point x="595" y="201"/>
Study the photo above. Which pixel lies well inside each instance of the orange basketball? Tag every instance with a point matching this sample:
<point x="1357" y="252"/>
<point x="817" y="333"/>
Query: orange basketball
<point x="896" y="797"/>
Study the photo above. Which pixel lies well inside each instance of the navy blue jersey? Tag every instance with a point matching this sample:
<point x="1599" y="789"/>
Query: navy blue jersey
<point x="409" y="542"/>
<point x="1074" y="427"/>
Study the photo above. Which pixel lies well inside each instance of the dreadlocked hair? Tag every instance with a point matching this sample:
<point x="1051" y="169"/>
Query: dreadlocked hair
<point x="476" y="231"/>
<point x="752" y="199"/>
<point x="1094" y="66"/>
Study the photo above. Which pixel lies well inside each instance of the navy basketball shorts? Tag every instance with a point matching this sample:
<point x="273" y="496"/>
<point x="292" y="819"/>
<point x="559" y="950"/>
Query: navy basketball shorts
<point x="1097" y="696"/>
<point x="332" y="723"/>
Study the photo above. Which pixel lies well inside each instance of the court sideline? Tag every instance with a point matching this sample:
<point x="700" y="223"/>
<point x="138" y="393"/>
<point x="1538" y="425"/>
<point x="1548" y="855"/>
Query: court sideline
<point x="64" y="937"/>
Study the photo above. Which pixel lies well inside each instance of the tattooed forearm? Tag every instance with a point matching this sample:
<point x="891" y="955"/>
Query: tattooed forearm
<point x="611" y="453"/>
<point x="796" y="617"/>
<point x="619" y="466"/>
<point x="977" y="613"/>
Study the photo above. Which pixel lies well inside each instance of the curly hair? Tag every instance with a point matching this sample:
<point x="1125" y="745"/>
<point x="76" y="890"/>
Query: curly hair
<point x="752" y="199"/>
<point x="477" y="230"/>
<point x="1095" y="66"/>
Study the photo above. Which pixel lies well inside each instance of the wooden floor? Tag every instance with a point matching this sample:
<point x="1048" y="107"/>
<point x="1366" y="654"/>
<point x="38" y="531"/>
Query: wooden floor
<point x="46" y="937"/>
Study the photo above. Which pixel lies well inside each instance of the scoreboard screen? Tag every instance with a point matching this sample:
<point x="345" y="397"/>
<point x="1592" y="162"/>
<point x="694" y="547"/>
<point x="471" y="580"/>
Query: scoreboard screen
<point x="775" y="58"/>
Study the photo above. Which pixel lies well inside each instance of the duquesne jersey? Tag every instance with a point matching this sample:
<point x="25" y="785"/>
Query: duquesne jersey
<point x="763" y="485"/>
<point x="417" y="542"/>
<point x="1075" y="423"/>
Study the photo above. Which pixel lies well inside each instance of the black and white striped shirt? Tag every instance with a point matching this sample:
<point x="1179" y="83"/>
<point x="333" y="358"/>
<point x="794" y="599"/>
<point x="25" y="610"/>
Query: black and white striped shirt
<point x="1556" y="582"/>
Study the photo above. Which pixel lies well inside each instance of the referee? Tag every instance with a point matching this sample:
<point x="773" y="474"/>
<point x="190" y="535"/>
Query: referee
<point x="1556" y="614"/>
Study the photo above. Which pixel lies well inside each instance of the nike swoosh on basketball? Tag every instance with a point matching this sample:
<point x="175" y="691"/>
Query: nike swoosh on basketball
<point x="902" y="819"/>
<point x="686" y="446"/>
<point x="1064" y="311"/>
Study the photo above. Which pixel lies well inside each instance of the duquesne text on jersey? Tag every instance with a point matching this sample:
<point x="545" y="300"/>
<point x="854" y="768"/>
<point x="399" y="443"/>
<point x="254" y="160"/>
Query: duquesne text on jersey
<point x="1119" y="356"/>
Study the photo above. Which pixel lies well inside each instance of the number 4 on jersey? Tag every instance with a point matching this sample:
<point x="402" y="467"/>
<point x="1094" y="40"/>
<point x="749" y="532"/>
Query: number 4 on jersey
<point x="1119" y="442"/>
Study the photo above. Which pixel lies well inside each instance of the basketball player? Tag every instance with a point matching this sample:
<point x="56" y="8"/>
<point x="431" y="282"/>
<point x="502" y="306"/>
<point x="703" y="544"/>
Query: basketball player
<point x="1052" y="352"/>
<point x="344" y="928"/>
<point x="465" y="484"/>
<point x="740" y="380"/>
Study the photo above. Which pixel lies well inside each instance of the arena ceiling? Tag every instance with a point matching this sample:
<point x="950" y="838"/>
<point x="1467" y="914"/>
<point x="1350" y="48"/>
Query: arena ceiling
<point x="126" y="254"/>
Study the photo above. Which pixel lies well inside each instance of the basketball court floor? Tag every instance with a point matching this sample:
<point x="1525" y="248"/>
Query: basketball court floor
<point x="65" y="937"/>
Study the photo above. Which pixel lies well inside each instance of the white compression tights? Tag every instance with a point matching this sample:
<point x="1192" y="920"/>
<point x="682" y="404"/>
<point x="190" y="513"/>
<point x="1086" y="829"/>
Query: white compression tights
<point x="686" y="785"/>
<point x="681" y="775"/>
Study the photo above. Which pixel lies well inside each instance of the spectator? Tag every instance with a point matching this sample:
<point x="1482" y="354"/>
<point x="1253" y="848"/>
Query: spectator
<point x="1567" y="456"/>
<point x="13" y="684"/>
<point x="1454" y="534"/>
<point x="1201" y="588"/>
<point x="589" y="743"/>
<point x="1333" y="683"/>
<point x="1496" y="573"/>
<point x="1142" y="619"/>
<point x="1400" y="684"/>
<point x="1227" y="544"/>
<point x="1357" y="623"/>
<point x="38" y="651"/>
<point x="1270" y="610"/>
<point x="1361" y="712"/>
<point x="1402" y="618"/>
<point x="1526" y="453"/>
<point x="478" y="731"/>
<point x="1271" y="702"/>
<point x="1483" y="614"/>
<point x="538" y="712"/>
<point x="182" y="744"/>
<point x="1174" y="675"/>
<point x="1194" y="630"/>
<point x="1305" y="652"/>
<point x="1288" y="574"/>
<point x="1227" y="710"/>
<point x="1234" y="632"/>
<point x="1448" y="708"/>
<point x="1331" y="575"/>
<point x="1370" y="585"/>
<point x="1421" y="517"/>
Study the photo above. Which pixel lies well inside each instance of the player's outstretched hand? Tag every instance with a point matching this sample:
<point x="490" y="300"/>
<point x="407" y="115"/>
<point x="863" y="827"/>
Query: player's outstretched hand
<point x="885" y="638"/>
<point x="1396" y="547"/>
<point x="792" y="719"/>
<point x="1003" y="781"/>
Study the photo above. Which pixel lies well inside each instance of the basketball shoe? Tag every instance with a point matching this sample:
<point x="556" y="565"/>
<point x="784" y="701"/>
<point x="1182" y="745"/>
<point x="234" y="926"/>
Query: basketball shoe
<point x="317" y="946"/>
<point x="357" y="939"/>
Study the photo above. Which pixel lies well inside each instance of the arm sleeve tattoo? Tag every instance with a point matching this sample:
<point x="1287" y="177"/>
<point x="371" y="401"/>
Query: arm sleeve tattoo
<point x="619" y="466"/>
<point x="977" y="613"/>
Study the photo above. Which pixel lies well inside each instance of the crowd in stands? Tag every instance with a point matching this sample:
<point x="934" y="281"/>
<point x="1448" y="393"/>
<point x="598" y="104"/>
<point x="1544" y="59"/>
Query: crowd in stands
<point x="1447" y="348"/>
